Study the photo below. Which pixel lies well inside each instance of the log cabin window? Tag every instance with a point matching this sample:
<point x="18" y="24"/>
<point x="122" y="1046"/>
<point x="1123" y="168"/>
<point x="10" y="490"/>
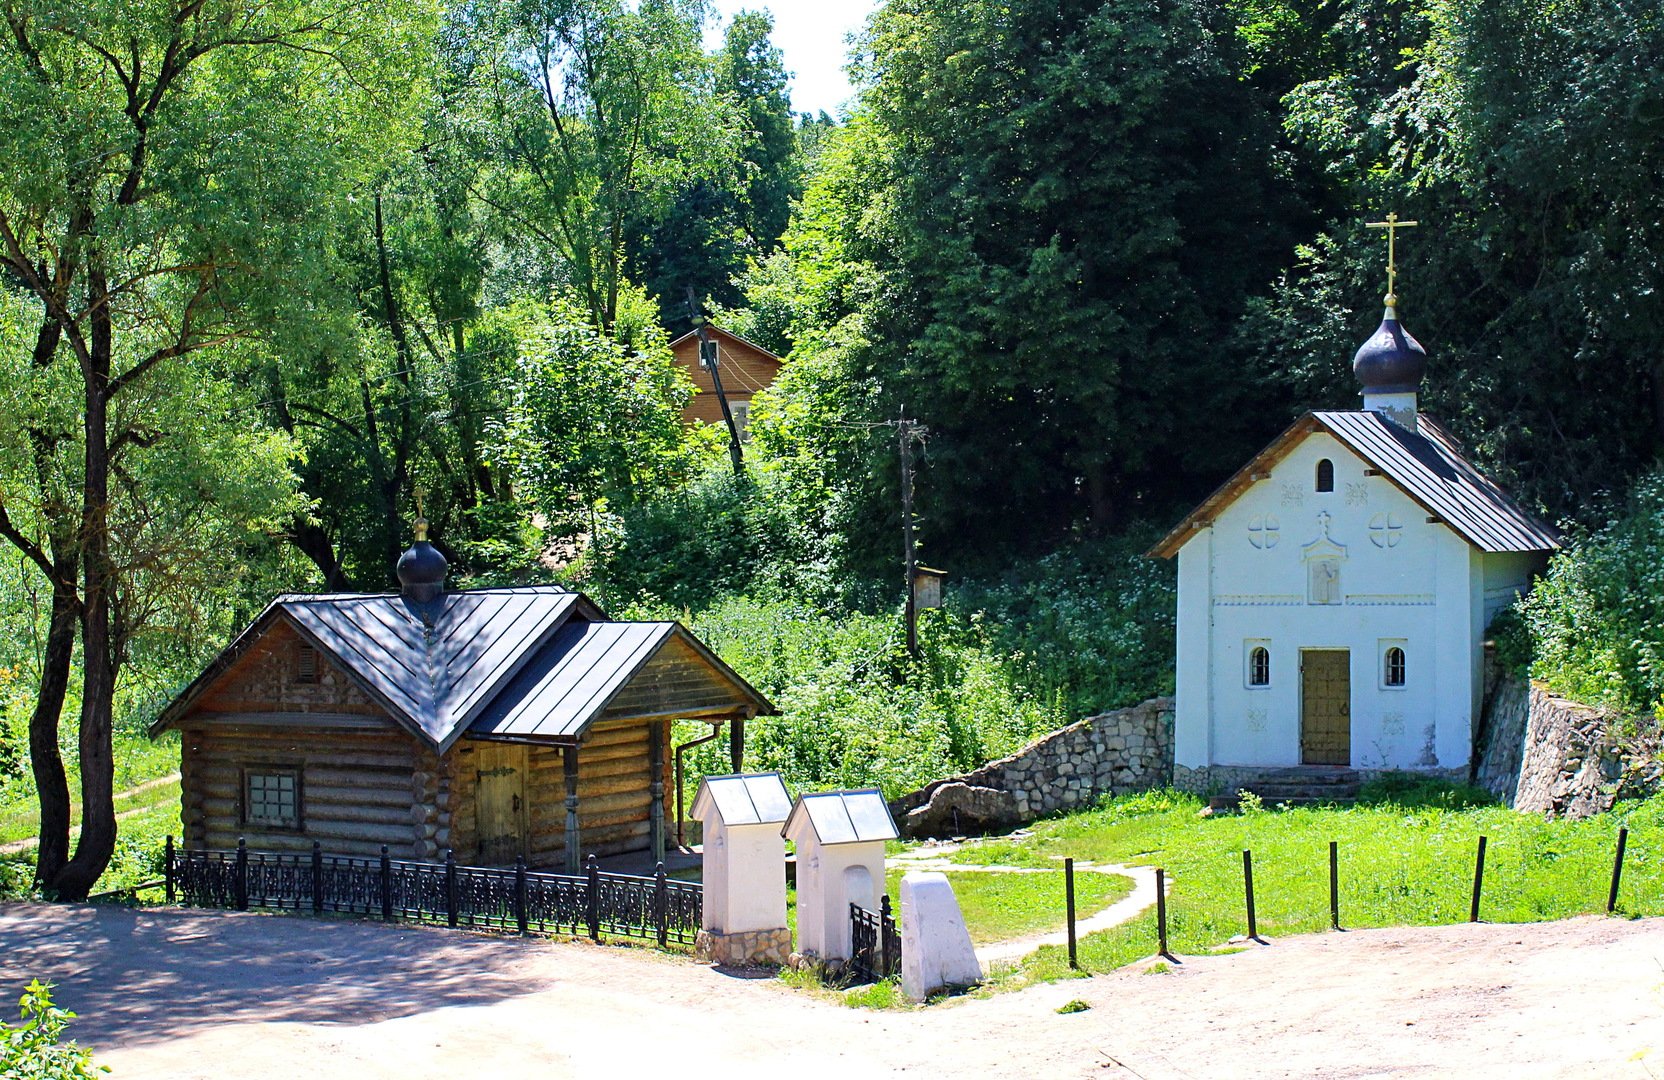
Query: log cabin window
<point x="1393" y="668"/>
<point x="271" y="797"/>
<point x="1259" y="667"/>
<point x="306" y="664"/>
<point x="1325" y="475"/>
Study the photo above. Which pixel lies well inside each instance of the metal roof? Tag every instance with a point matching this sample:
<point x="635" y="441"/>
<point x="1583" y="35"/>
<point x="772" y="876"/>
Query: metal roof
<point x="744" y="799"/>
<point x="537" y="663"/>
<point x="1426" y="464"/>
<point x="842" y="817"/>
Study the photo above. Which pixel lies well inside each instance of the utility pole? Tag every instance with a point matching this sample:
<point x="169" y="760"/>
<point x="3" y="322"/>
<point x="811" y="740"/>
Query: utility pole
<point x="707" y="356"/>
<point x="908" y="432"/>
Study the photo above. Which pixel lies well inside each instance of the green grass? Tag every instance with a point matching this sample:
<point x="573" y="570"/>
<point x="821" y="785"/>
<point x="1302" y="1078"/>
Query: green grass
<point x="1406" y="861"/>
<point x="1000" y="907"/>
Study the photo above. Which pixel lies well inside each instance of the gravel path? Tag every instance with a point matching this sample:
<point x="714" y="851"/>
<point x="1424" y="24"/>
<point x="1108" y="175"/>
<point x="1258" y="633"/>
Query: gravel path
<point x="187" y="994"/>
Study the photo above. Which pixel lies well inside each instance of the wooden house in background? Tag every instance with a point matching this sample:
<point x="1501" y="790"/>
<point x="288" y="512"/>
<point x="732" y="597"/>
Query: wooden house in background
<point x="746" y="368"/>
<point x="497" y="723"/>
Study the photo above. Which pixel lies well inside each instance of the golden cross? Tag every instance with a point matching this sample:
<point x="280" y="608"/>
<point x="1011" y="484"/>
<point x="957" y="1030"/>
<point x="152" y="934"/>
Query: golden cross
<point x="1392" y="225"/>
<point x="421" y="518"/>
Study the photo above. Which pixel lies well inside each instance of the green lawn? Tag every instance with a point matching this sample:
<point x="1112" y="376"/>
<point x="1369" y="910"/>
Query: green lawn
<point x="1404" y="862"/>
<point x="1000" y="907"/>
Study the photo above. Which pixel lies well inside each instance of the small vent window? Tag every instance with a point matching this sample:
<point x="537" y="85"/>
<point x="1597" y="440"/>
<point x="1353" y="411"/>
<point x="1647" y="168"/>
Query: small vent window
<point x="1392" y="673"/>
<point x="271" y="798"/>
<point x="1325" y="475"/>
<point x="306" y="664"/>
<point x="1259" y="666"/>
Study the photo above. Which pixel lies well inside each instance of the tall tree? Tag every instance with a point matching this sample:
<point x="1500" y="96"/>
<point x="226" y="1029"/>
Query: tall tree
<point x="167" y="176"/>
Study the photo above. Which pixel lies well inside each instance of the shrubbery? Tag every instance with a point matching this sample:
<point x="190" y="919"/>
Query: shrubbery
<point x="1596" y="620"/>
<point x="35" y="1050"/>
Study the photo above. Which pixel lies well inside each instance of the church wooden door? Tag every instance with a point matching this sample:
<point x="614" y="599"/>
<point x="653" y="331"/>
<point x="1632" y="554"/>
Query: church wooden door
<point x="1325" y="707"/>
<point x="500" y="802"/>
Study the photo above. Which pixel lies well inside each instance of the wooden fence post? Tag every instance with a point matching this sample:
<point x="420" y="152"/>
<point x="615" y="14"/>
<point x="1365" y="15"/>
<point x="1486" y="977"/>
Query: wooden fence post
<point x="1248" y="888"/>
<point x="317" y="878"/>
<point x="167" y="868"/>
<point x="386" y="885"/>
<point x="594" y="898"/>
<point x="240" y="886"/>
<point x="1478" y="882"/>
<point x="1334" y="885"/>
<point x="661" y="905"/>
<point x="1161" y="912"/>
<point x="1617" y="872"/>
<point x="520" y="893"/>
<point x="1069" y="908"/>
<point x="450" y="887"/>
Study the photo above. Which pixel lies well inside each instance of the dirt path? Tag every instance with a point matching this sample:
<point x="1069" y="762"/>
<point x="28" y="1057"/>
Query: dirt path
<point x="182" y="994"/>
<point x="26" y="843"/>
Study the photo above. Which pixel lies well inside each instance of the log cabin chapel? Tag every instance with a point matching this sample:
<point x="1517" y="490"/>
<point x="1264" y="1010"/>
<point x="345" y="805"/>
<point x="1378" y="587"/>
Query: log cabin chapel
<point x="496" y="723"/>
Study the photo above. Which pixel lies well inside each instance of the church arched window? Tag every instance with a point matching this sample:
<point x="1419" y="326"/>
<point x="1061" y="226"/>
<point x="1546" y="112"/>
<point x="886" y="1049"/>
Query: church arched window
<point x="1259" y="666"/>
<point x="1392" y="667"/>
<point x="1325" y="475"/>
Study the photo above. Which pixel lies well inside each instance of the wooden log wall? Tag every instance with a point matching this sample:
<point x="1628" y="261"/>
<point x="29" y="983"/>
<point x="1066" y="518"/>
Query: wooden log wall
<point x="360" y="788"/>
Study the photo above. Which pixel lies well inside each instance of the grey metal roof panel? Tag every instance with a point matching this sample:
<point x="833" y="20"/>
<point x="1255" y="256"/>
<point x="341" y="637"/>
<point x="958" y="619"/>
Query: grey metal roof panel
<point x="566" y="684"/>
<point x="745" y="799"/>
<point x="844" y="817"/>
<point x="1429" y="466"/>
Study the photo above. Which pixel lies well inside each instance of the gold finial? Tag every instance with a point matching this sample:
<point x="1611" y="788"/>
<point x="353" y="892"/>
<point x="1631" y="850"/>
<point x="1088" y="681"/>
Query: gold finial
<point x="421" y="519"/>
<point x="1392" y="225"/>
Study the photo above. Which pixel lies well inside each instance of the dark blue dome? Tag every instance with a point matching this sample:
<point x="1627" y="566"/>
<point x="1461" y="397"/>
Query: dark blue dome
<point x="421" y="571"/>
<point x="1391" y="361"/>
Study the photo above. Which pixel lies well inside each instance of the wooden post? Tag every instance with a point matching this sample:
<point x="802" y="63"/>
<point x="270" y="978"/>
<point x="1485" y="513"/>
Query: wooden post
<point x="593" y="912"/>
<point x="1248" y="887"/>
<point x="661" y="904"/>
<point x="1069" y="906"/>
<point x="569" y="761"/>
<point x="450" y="887"/>
<point x="386" y="885"/>
<point x="317" y="878"/>
<point x="167" y="867"/>
<point x="520" y="893"/>
<point x="1161" y="912"/>
<point x="736" y="743"/>
<point x="909" y="559"/>
<point x="240" y="888"/>
<point x="1334" y="885"/>
<point x="1617" y="872"/>
<point x="1478" y="882"/>
<point x="655" y="811"/>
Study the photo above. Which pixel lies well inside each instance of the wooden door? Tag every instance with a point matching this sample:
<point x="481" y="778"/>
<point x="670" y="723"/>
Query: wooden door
<point x="1325" y="707"/>
<point x="500" y="802"/>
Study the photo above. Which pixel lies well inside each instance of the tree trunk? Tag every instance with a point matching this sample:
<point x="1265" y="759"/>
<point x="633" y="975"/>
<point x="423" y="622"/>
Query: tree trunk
<point x="313" y="542"/>
<point x="45" y="760"/>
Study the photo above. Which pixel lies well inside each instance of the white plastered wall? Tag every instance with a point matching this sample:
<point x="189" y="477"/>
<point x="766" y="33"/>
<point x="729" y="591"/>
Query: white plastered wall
<point x="822" y="891"/>
<point x="745" y="877"/>
<point x="1404" y="581"/>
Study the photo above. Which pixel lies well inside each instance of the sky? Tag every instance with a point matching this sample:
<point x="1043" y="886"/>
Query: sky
<point x="811" y="35"/>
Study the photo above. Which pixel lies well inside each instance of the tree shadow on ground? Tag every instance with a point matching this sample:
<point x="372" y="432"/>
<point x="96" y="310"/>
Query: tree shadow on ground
<point x="138" y="975"/>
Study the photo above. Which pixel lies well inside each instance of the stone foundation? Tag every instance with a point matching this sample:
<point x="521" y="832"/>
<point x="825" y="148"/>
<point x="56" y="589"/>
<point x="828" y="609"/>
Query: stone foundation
<point x="746" y="948"/>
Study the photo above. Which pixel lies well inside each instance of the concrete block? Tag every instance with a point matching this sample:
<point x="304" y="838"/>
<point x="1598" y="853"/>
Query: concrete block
<point x="936" y="950"/>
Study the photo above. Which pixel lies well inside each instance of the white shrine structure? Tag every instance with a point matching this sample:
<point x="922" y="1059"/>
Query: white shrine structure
<point x="743" y="917"/>
<point x="840" y="839"/>
<point x="1334" y="594"/>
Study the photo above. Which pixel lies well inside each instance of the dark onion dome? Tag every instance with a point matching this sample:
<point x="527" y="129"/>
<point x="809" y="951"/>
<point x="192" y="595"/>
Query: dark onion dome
<point x="422" y="569"/>
<point x="1391" y="361"/>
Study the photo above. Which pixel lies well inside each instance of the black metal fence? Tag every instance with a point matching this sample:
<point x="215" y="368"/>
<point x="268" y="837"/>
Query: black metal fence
<point x="875" y="942"/>
<point x="515" y="898"/>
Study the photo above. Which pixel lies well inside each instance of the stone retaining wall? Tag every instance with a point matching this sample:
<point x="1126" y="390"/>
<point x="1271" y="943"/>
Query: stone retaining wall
<point x="1125" y="750"/>
<point x="1545" y="754"/>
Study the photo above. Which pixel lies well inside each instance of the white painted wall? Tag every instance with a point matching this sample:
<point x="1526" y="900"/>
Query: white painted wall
<point x="745" y="877"/>
<point x="1403" y="581"/>
<point x="823" y="891"/>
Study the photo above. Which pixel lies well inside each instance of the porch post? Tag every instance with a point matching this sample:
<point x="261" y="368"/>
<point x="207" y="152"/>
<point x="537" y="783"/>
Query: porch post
<point x="655" y="752"/>
<point x="736" y="742"/>
<point x="569" y="759"/>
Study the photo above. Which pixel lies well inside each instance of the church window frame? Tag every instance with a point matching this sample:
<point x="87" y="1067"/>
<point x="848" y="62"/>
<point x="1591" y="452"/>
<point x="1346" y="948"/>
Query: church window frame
<point x="1325" y="478"/>
<point x="1256" y="672"/>
<point x="1395" y="665"/>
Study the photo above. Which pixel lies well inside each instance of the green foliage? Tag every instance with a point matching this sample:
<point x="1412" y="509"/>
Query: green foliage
<point x="1002" y="906"/>
<point x="1409" y="791"/>
<point x="1597" y="618"/>
<point x="35" y="1049"/>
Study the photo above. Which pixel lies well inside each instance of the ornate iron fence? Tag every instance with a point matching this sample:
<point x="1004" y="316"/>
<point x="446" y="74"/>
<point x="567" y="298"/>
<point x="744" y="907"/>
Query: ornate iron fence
<point x="476" y="896"/>
<point x="875" y="942"/>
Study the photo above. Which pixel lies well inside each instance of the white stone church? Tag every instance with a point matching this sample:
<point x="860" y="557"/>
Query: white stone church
<point x="1334" y="594"/>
